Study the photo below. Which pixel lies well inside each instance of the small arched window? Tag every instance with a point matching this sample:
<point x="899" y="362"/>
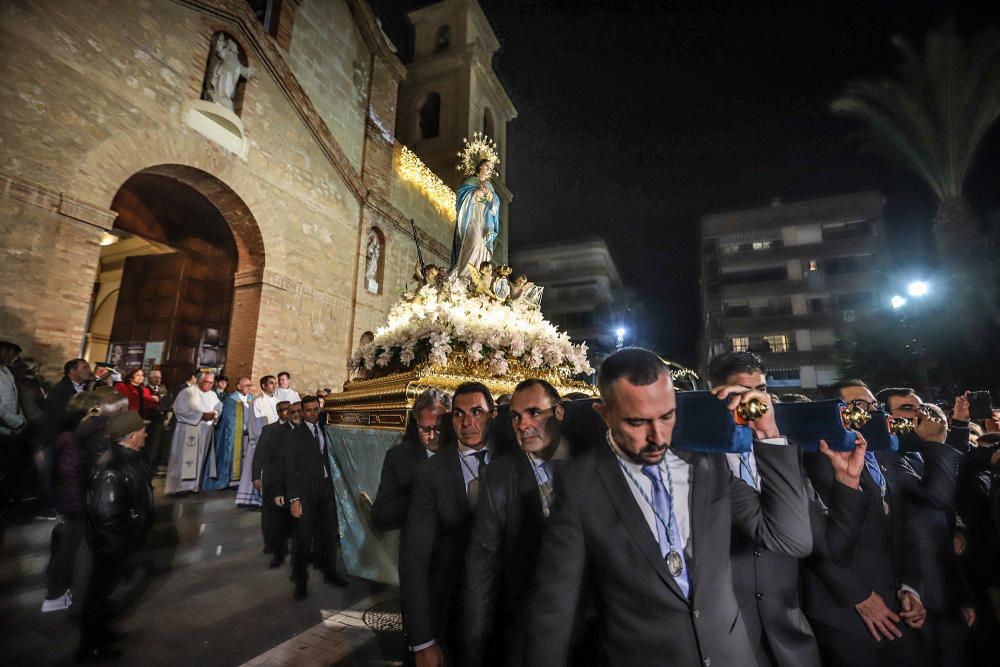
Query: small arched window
<point x="442" y="39"/>
<point x="430" y="116"/>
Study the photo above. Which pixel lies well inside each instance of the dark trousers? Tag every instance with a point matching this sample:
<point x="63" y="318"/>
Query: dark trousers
<point x="104" y="576"/>
<point x="946" y="638"/>
<point x="847" y="649"/>
<point x="67" y="537"/>
<point x="154" y="442"/>
<point x="275" y="523"/>
<point x="46" y="471"/>
<point x="317" y="529"/>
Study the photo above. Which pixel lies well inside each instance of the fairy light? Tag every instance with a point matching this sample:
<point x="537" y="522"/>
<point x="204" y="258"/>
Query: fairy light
<point x="410" y="168"/>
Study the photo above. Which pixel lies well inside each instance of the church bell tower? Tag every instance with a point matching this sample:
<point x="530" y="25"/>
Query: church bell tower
<point x="451" y="91"/>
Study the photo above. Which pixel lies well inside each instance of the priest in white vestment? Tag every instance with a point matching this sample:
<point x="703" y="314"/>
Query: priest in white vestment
<point x="195" y="410"/>
<point x="264" y="412"/>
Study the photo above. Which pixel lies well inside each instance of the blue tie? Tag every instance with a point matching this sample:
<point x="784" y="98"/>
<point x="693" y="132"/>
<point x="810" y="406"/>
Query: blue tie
<point x="664" y="508"/>
<point x="746" y="474"/>
<point x="875" y="471"/>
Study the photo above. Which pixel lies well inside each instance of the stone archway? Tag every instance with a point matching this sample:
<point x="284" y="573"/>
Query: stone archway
<point x="152" y="205"/>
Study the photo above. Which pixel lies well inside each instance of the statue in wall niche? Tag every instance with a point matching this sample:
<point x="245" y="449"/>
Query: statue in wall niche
<point x="224" y="71"/>
<point x="372" y="252"/>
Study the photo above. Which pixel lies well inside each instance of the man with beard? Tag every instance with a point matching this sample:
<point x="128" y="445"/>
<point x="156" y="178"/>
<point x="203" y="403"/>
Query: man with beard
<point x="432" y="571"/>
<point x="649" y="529"/>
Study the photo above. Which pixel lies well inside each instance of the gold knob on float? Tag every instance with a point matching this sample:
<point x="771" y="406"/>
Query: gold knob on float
<point x="752" y="410"/>
<point x="854" y="416"/>
<point x="900" y="425"/>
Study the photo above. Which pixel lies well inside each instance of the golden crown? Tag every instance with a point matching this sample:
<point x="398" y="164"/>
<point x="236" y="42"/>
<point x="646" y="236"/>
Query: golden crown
<point x="480" y="148"/>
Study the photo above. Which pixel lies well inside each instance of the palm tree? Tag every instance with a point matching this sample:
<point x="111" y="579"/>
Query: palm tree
<point x="932" y="119"/>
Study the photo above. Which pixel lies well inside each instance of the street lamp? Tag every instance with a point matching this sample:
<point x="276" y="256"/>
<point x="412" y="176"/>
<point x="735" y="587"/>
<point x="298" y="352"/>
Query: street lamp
<point x="918" y="288"/>
<point x="897" y="302"/>
<point x="620" y="342"/>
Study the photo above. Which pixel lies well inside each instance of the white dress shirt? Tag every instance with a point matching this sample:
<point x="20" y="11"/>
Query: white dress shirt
<point x="680" y="476"/>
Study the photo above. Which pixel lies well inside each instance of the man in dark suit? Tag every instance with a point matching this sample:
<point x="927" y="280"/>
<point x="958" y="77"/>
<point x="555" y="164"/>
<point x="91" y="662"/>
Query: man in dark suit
<point x="311" y="499"/>
<point x="421" y="441"/>
<point x="945" y="594"/>
<point x="432" y="566"/>
<point x="868" y="613"/>
<point x="653" y="526"/>
<point x="268" y="475"/>
<point x="767" y="583"/>
<point x="515" y="501"/>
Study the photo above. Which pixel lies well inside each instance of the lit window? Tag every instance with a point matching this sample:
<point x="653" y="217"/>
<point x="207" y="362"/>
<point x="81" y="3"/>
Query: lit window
<point x="740" y="343"/>
<point x="776" y="343"/>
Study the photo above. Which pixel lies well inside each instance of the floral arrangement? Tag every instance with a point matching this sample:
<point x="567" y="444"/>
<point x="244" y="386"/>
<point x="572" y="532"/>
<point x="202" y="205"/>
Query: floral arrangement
<point x="440" y="320"/>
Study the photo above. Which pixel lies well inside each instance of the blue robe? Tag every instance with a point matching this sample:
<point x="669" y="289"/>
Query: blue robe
<point x="229" y="444"/>
<point x="488" y="227"/>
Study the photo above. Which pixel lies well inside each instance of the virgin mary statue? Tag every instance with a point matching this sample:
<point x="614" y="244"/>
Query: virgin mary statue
<point x="477" y="224"/>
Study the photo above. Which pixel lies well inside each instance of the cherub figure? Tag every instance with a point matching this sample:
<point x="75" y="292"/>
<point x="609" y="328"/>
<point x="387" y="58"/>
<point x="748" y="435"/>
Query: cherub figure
<point x="481" y="278"/>
<point x="525" y="291"/>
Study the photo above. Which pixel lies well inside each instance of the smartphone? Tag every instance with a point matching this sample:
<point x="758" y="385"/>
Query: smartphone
<point x="980" y="406"/>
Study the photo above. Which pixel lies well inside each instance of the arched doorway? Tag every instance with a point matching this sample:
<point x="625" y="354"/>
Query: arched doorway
<point x="180" y="276"/>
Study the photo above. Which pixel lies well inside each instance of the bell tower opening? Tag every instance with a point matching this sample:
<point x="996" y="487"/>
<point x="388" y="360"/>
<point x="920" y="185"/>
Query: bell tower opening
<point x="166" y="283"/>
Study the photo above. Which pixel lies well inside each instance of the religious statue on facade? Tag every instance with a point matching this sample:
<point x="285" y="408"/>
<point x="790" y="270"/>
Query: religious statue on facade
<point x="478" y="207"/>
<point x="224" y="71"/>
<point x="372" y="251"/>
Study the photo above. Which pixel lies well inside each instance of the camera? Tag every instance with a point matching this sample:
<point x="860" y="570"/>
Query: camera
<point x="980" y="405"/>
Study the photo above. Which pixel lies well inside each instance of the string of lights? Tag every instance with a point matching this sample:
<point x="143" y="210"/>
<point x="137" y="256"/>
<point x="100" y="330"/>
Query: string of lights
<point x="410" y="168"/>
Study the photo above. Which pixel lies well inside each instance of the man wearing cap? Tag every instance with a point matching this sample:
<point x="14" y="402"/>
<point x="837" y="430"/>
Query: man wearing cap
<point x="119" y="508"/>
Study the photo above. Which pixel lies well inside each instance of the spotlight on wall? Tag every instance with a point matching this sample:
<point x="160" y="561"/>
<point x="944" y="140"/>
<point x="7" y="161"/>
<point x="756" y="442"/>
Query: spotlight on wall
<point x="108" y="239"/>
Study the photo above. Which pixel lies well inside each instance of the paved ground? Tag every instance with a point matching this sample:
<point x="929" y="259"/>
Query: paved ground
<point x="225" y="611"/>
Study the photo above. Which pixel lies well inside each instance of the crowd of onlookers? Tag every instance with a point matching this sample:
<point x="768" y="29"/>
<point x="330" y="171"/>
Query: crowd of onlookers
<point x="543" y="529"/>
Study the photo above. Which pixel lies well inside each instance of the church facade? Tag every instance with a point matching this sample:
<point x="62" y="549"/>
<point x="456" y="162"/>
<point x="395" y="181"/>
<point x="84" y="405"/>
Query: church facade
<point x="219" y="183"/>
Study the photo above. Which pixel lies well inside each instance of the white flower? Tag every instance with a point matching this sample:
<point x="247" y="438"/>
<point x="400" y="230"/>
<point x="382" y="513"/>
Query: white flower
<point x="475" y="351"/>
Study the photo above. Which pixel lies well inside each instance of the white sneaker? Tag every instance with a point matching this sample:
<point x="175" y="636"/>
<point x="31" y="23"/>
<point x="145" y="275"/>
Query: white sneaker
<point x="65" y="601"/>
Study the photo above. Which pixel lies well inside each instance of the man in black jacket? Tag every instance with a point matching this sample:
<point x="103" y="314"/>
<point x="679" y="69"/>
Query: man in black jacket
<point x="119" y="515"/>
<point x="515" y="500"/>
<point x="766" y="583"/>
<point x="867" y="613"/>
<point x="421" y="441"/>
<point x="649" y="528"/>
<point x="432" y="569"/>
<point x="311" y="499"/>
<point x="268" y="475"/>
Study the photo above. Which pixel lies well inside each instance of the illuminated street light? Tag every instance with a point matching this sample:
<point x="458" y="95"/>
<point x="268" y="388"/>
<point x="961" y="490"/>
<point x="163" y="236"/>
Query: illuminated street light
<point x="918" y="288"/>
<point x="898" y="302"/>
<point x="620" y="333"/>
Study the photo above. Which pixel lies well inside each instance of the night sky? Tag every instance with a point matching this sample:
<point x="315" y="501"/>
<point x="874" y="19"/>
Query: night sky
<point x="636" y="118"/>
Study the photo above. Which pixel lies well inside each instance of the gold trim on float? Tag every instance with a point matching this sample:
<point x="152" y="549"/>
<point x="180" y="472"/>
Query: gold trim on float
<point x="384" y="402"/>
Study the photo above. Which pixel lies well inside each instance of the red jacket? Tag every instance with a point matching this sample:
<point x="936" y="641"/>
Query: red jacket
<point x="140" y="399"/>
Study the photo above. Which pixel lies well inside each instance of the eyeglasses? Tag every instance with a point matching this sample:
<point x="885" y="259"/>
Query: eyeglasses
<point x="427" y="430"/>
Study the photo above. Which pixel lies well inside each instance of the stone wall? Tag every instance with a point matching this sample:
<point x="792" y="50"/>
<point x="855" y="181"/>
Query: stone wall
<point x="331" y="62"/>
<point x="96" y="92"/>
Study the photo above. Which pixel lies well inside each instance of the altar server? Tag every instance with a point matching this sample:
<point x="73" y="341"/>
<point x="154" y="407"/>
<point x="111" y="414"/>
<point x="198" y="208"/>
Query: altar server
<point x="195" y="410"/>
<point x="264" y="412"/>
<point x="285" y="391"/>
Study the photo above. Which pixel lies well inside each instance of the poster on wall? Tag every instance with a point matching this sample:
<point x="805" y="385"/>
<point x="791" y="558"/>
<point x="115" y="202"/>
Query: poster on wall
<point x="131" y="355"/>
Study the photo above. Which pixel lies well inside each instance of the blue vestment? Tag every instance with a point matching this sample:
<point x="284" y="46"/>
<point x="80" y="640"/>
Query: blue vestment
<point x="230" y="439"/>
